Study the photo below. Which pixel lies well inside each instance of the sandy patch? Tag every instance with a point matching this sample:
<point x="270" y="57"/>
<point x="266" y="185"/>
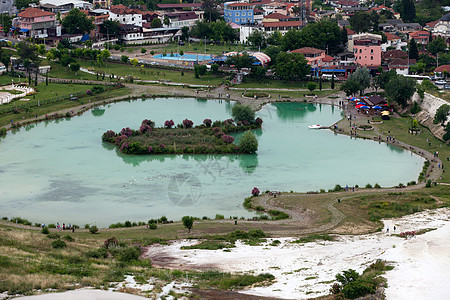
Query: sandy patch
<point x="307" y="270"/>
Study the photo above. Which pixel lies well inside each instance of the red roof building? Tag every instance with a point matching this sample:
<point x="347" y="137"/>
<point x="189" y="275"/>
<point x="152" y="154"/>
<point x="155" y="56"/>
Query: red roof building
<point x="421" y="37"/>
<point x="442" y="68"/>
<point x="313" y="56"/>
<point x="36" y="22"/>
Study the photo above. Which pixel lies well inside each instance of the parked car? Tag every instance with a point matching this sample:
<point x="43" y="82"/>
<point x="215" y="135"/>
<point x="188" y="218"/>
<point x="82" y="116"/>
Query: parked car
<point x="441" y="82"/>
<point x="447" y="86"/>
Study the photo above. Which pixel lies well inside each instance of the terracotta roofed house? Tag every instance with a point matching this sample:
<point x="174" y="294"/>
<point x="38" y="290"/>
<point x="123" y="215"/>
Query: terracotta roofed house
<point x="313" y="56"/>
<point x="421" y="37"/>
<point x="35" y="22"/>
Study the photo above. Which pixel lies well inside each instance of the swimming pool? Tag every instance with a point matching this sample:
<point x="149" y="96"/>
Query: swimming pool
<point x="185" y="57"/>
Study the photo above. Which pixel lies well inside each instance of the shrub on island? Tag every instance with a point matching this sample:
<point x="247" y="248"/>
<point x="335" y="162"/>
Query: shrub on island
<point x="207" y="138"/>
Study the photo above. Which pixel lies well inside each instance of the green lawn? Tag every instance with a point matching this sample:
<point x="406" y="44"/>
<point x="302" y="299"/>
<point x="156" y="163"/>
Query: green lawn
<point x="47" y="95"/>
<point x="281" y="84"/>
<point x="58" y="71"/>
<point x="399" y="129"/>
<point x="153" y="73"/>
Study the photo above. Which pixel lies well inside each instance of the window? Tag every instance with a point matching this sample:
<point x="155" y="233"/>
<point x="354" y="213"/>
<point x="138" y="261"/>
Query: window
<point x="371" y="58"/>
<point x="237" y="14"/>
<point x="371" y="51"/>
<point x="360" y="50"/>
<point x="243" y="13"/>
<point x="237" y="20"/>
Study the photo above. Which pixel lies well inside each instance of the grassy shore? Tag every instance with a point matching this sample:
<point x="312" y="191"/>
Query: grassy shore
<point x="51" y="98"/>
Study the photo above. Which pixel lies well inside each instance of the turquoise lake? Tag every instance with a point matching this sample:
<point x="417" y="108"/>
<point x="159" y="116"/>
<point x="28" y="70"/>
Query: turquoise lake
<point x="60" y="171"/>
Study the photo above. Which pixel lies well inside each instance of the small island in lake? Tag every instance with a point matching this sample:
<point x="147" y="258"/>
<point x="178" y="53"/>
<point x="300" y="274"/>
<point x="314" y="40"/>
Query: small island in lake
<point x="185" y="138"/>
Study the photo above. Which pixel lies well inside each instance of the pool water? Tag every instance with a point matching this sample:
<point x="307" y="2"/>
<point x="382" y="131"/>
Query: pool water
<point x="185" y="57"/>
<point x="60" y="171"/>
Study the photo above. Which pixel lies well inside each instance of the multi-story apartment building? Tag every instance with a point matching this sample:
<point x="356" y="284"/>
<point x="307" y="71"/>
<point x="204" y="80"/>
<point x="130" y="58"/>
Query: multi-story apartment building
<point x="239" y="13"/>
<point x="35" y="22"/>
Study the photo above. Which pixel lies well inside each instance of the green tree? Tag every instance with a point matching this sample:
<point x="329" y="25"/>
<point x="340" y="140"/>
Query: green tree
<point x="437" y="45"/>
<point x="25" y="3"/>
<point x="143" y="50"/>
<point x="360" y="22"/>
<point x="362" y="77"/>
<point x="124" y="59"/>
<point x="384" y="77"/>
<point x="166" y="21"/>
<point x="66" y="60"/>
<point x="332" y="81"/>
<point x="292" y="40"/>
<point x="27" y="51"/>
<point x="185" y="33"/>
<point x="240" y="61"/>
<point x="350" y="87"/>
<point x="248" y="143"/>
<point x="214" y="68"/>
<point x="103" y="56"/>
<point x="412" y="49"/>
<point x="311" y="86"/>
<point x="275" y="38"/>
<point x="200" y="70"/>
<point x="442" y="114"/>
<point x="400" y="89"/>
<point x="257" y="39"/>
<point x="6" y="22"/>
<point x="77" y="22"/>
<point x="407" y="10"/>
<point x="210" y="8"/>
<point x="110" y="28"/>
<point x="291" y="66"/>
<point x="242" y="113"/>
<point x="446" y="136"/>
<point x="258" y="73"/>
<point x="325" y="34"/>
<point x="75" y="67"/>
<point x="156" y="23"/>
<point x="188" y="222"/>
<point x="273" y="51"/>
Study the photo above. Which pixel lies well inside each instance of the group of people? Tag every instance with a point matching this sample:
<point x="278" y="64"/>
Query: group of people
<point x="63" y="227"/>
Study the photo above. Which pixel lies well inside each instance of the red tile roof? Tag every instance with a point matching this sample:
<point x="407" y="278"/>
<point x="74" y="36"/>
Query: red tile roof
<point x="308" y="50"/>
<point x="328" y="58"/>
<point x="33" y="12"/>
<point x="240" y="4"/>
<point x="417" y="34"/>
<point x="349" y="31"/>
<point x="442" y="68"/>
<point x="179" y="5"/>
<point x="282" y="24"/>
<point x="391" y="36"/>
<point x="432" y="24"/>
<point x="277" y="16"/>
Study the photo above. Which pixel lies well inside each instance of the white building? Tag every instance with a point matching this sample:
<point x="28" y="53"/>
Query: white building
<point x="125" y="15"/>
<point x="56" y="6"/>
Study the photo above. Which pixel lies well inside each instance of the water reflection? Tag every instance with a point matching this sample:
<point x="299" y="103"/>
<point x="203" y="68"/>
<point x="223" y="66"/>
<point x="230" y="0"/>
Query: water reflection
<point x="292" y="110"/>
<point x="98" y="112"/>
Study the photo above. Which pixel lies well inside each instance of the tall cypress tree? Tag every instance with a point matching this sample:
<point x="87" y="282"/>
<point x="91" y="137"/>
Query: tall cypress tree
<point x="413" y="51"/>
<point x="407" y="11"/>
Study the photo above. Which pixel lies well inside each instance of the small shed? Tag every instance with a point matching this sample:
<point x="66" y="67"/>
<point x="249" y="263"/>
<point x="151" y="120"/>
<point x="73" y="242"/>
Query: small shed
<point x="376" y="100"/>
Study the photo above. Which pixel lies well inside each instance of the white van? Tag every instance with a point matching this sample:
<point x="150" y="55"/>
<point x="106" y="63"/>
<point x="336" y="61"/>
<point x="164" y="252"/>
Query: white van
<point x="328" y="76"/>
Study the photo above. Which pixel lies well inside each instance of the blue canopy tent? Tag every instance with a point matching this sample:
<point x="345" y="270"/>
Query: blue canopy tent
<point x="85" y="38"/>
<point x="361" y="103"/>
<point x="376" y="107"/>
<point x="365" y="107"/>
<point x="24" y="30"/>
